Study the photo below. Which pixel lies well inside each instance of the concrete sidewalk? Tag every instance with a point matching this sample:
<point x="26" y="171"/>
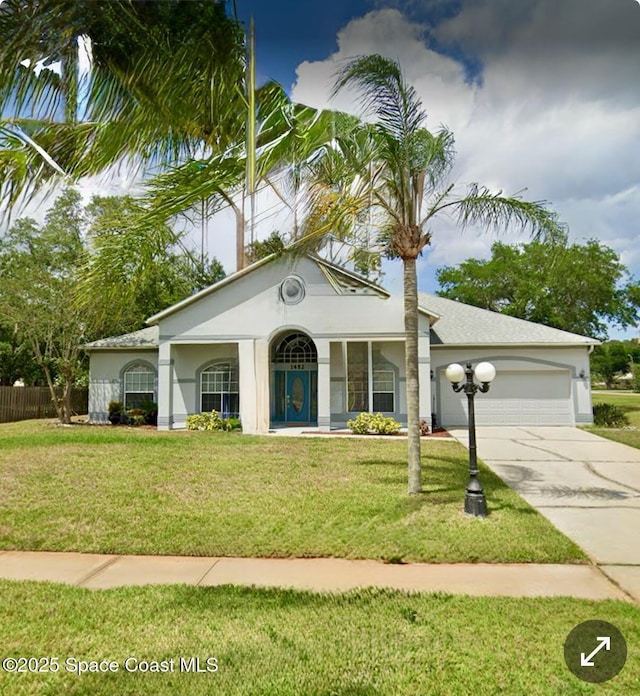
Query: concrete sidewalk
<point x="97" y="571"/>
<point x="587" y="486"/>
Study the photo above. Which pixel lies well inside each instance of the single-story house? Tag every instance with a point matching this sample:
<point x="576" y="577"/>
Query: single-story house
<point x="301" y="341"/>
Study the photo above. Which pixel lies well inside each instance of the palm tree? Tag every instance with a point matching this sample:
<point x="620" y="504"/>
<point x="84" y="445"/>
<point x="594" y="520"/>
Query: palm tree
<point x="166" y="80"/>
<point x="171" y="90"/>
<point x="23" y="161"/>
<point x="394" y="176"/>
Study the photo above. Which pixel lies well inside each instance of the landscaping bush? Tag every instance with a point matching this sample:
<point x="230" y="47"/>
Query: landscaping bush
<point x="367" y="423"/>
<point x="150" y="412"/>
<point x="135" y="416"/>
<point x="212" y="422"/>
<point x="609" y="416"/>
<point x="115" y="409"/>
<point x="635" y="380"/>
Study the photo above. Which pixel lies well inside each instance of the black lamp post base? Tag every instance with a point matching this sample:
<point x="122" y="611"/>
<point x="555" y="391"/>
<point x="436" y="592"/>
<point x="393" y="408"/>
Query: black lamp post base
<point x="475" y="504"/>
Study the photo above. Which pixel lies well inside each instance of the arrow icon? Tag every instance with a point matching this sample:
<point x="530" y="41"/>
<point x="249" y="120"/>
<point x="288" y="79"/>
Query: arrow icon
<point x="605" y="642"/>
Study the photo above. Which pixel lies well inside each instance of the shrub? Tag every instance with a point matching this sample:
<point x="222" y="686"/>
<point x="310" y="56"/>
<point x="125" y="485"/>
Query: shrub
<point x="232" y="424"/>
<point x="635" y="380"/>
<point x="366" y="423"/>
<point x="609" y="416"/>
<point x="212" y="422"/>
<point x="115" y="408"/>
<point x="205" y="421"/>
<point x="150" y="412"/>
<point x="361" y="424"/>
<point x="116" y="412"/>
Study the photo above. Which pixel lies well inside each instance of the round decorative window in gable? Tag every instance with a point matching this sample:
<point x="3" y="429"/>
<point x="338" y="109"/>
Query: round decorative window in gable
<point x="292" y="290"/>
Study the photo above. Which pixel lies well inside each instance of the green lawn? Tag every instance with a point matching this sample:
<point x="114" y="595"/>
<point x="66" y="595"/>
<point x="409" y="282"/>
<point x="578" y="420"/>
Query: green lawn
<point x="629" y="402"/>
<point x="286" y="643"/>
<point x="128" y="491"/>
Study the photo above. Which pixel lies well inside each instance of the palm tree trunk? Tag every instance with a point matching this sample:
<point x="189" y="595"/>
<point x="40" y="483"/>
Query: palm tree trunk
<point x="411" y="368"/>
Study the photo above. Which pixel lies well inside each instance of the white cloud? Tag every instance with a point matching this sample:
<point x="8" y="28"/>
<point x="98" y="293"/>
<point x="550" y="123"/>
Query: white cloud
<point x="557" y="110"/>
<point x="389" y="33"/>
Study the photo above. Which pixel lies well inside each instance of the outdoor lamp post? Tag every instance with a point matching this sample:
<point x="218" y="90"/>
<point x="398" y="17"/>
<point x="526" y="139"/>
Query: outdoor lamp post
<point x="475" y="504"/>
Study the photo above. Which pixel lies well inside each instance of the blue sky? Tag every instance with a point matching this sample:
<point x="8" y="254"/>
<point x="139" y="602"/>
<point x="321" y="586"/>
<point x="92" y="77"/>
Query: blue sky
<point x="543" y="97"/>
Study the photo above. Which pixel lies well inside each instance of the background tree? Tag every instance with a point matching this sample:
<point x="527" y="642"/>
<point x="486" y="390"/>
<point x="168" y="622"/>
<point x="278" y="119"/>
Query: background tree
<point x="612" y="359"/>
<point x="260" y="249"/>
<point x="399" y="186"/>
<point x="136" y="267"/>
<point x="38" y="276"/>
<point x="16" y="361"/>
<point x="574" y="287"/>
<point x="61" y="287"/>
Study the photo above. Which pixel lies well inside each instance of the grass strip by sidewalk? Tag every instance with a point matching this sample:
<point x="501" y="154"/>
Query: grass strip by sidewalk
<point x="128" y="491"/>
<point x="286" y="643"/>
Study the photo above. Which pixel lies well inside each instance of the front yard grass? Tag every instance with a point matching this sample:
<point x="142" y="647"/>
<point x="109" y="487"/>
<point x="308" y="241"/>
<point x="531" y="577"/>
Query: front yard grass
<point x="132" y="491"/>
<point x="629" y="402"/>
<point x="287" y="643"/>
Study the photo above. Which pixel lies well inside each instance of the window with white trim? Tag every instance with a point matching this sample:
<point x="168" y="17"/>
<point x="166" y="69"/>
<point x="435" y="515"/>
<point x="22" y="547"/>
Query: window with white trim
<point x="383" y="390"/>
<point x="219" y="389"/>
<point x="139" y="385"/>
<point x="357" y="376"/>
<point x="371" y="378"/>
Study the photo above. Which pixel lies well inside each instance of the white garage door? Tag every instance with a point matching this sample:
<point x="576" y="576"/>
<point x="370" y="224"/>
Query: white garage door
<point x="515" y="398"/>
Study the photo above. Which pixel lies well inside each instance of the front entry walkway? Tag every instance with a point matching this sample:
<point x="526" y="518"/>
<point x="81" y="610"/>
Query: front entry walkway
<point x="587" y="486"/>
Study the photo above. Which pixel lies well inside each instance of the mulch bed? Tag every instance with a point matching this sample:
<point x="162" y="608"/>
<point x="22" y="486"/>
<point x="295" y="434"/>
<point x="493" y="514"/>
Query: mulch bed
<point x="439" y="432"/>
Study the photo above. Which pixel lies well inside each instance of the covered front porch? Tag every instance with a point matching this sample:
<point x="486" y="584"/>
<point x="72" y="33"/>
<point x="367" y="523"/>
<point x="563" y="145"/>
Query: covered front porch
<point x="289" y="379"/>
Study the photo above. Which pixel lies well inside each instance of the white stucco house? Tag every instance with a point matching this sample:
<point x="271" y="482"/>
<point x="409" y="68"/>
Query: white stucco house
<point x="305" y="342"/>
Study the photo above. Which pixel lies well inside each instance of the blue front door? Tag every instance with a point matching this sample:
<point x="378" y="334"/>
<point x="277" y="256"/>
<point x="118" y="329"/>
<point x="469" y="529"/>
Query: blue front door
<point x="297" y="397"/>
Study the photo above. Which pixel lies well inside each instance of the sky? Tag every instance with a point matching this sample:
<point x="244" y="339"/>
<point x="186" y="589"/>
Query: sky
<point x="543" y="97"/>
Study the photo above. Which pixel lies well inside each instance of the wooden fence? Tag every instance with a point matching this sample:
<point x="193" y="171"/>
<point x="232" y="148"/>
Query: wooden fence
<point x="22" y="403"/>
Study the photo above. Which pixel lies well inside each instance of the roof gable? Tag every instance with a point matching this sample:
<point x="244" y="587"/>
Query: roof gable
<point x="341" y="280"/>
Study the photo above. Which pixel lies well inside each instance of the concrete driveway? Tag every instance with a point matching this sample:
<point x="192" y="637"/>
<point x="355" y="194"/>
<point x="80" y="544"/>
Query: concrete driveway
<point x="587" y="486"/>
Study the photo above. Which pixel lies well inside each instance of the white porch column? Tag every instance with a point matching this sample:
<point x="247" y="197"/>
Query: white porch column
<point x="262" y="372"/>
<point x="247" y="386"/>
<point x="424" y="377"/>
<point x="165" y="387"/>
<point x="324" y="384"/>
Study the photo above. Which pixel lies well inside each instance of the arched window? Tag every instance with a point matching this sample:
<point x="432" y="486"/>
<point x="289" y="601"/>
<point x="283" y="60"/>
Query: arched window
<point x="139" y="385"/>
<point x="296" y="348"/>
<point x="219" y="389"/>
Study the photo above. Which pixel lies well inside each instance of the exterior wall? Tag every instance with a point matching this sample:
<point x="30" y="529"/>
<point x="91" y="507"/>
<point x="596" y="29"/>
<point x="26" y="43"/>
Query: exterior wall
<point x="534" y="367"/>
<point x="187" y="362"/>
<point x="252" y="308"/>
<point x="105" y="378"/>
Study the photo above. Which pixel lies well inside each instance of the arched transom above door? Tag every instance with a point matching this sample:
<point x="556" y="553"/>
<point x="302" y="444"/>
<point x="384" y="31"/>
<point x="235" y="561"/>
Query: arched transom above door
<point x="295" y="348"/>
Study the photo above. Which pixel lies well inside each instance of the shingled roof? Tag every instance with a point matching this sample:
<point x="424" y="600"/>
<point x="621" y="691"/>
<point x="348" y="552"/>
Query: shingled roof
<point x="462" y="324"/>
<point x="454" y="323"/>
<point x="145" y="338"/>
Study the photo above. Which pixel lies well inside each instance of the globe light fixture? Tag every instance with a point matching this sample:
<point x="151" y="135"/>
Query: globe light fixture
<point x="454" y="373"/>
<point x="475" y="503"/>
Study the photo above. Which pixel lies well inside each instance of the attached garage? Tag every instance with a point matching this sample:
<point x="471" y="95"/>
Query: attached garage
<point x="542" y="373"/>
<point x="522" y="397"/>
